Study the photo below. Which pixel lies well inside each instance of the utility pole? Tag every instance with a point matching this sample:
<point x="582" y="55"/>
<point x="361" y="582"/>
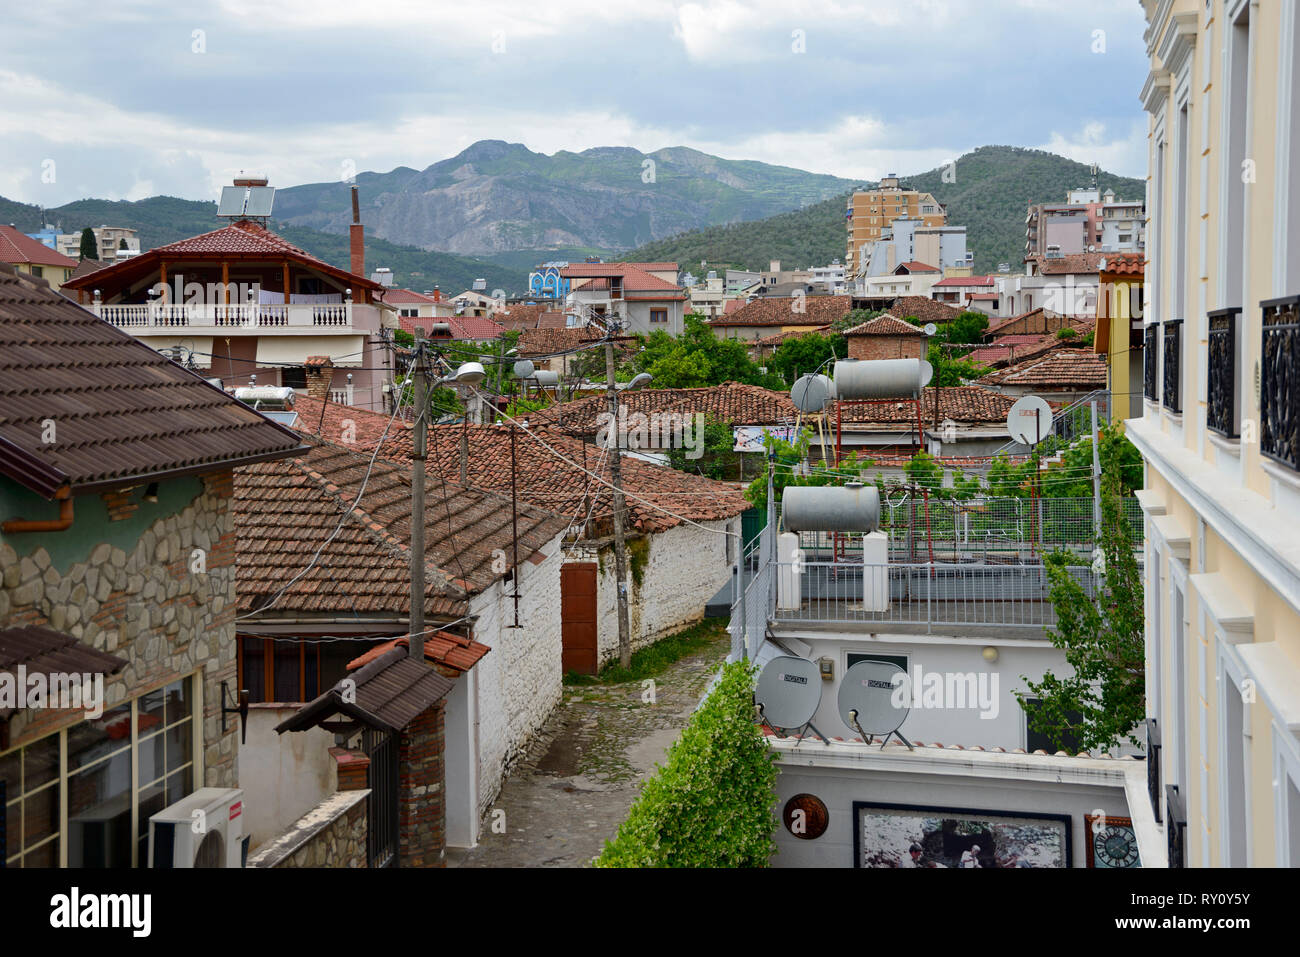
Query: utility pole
<point x="420" y="441"/>
<point x="616" y="479"/>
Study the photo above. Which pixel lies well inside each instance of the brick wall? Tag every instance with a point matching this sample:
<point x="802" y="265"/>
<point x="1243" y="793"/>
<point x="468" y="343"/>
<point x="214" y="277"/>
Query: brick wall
<point x="885" y="347"/>
<point x="421" y="792"/>
<point x="145" y="604"/>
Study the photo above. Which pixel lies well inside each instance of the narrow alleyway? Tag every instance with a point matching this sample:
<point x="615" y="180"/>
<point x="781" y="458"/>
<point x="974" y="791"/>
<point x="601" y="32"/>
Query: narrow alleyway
<point x="585" y="770"/>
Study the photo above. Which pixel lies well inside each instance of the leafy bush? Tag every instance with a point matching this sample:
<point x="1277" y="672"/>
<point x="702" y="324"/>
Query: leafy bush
<point x="711" y="803"/>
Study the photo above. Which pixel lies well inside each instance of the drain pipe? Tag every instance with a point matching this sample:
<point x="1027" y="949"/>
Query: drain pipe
<point x="21" y="526"/>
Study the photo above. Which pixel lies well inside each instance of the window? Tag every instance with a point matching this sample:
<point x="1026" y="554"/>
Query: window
<point x="279" y="669"/>
<point x="38" y="271"/>
<point x="658" y="315"/>
<point x="853" y="658"/>
<point x="1037" y="741"/>
<point x="293" y="377"/>
<point x="82" y="797"/>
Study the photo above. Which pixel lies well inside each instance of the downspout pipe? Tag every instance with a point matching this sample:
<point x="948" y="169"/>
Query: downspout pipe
<point x="22" y="526"/>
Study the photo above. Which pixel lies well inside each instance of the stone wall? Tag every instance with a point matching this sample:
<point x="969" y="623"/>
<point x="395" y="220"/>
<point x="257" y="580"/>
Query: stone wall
<point x="153" y="583"/>
<point x="332" y="834"/>
<point x="520" y="680"/>
<point x="421" y="792"/>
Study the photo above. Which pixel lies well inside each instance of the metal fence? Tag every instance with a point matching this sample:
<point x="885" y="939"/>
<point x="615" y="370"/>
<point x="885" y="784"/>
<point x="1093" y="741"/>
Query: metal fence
<point x="920" y="596"/>
<point x="752" y="611"/>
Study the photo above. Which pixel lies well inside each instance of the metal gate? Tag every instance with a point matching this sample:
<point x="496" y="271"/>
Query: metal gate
<point x="381" y="838"/>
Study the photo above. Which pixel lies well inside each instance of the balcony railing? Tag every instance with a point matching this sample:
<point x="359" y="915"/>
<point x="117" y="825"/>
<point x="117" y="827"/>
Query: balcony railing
<point x="1149" y="359"/>
<point x="920" y="596"/>
<point x="1221" y="373"/>
<point x="1279" y="393"/>
<point x="1172" y="392"/>
<point x="143" y="316"/>
<point x="1153" y="766"/>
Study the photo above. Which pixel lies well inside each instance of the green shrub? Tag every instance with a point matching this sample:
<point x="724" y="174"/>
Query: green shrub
<point x="710" y="804"/>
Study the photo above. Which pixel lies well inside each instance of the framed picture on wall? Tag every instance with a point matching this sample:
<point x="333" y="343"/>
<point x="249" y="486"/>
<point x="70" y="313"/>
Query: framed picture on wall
<point x="1110" y="841"/>
<point x="911" y="835"/>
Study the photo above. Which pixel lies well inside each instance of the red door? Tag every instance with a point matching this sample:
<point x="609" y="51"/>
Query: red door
<point x="578" y="617"/>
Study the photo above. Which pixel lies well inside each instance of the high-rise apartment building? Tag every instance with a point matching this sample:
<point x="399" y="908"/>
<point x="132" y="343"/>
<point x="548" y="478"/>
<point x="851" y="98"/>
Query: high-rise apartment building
<point x="870" y="211"/>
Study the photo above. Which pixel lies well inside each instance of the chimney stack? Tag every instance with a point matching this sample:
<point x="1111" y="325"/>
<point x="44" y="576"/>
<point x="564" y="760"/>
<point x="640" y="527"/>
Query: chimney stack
<point x="357" y="234"/>
<point x="437" y="293"/>
<point x="320" y="371"/>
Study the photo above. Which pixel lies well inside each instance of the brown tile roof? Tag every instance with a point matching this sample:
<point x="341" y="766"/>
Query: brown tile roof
<point x="962" y="281"/>
<point x="286" y="510"/>
<point x="388" y="693"/>
<point x="537" y="342"/>
<point x="407" y="297"/>
<point x="885" y="325"/>
<point x="923" y="309"/>
<point x="817" y="311"/>
<point x="915" y="266"/>
<point x="967" y="403"/>
<point x="777" y="338"/>
<point x="544" y="478"/>
<point x="42" y="650"/>
<point x="16" y="247"/>
<point x="1075" y="263"/>
<point x="732" y="402"/>
<point x="122" y="413"/>
<point x="86" y="267"/>
<point x="454" y="651"/>
<point x="522" y="315"/>
<point x="1123" y="264"/>
<point x="1070" y="368"/>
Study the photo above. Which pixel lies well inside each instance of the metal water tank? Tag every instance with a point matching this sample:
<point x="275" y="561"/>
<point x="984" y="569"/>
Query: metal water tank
<point x="845" y="508"/>
<point x="879" y="378"/>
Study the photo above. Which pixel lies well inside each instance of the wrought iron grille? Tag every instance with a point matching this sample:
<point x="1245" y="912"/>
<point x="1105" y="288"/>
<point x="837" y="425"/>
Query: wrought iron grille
<point x="383" y="834"/>
<point x="1153" y="766"/>
<point x="1149" y="364"/>
<point x="1175" y="825"/>
<point x="1221" y="373"/>
<point x="1279" y="390"/>
<point x="1172" y="392"/>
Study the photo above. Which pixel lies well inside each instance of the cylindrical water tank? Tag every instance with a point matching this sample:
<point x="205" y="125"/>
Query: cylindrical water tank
<point x="546" y="378"/>
<point x="812" y="393"/>
<point x="265" y="393"/>
<point x="879" y="378"/>
<point x="844" y="508"/>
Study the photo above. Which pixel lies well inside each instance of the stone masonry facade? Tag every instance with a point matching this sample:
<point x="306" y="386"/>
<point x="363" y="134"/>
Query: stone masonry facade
<point x="147" y="606"/>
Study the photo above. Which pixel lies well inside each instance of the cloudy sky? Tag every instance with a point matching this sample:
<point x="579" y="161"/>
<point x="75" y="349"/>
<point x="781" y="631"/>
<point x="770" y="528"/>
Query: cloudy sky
<point x="135" y="98"/>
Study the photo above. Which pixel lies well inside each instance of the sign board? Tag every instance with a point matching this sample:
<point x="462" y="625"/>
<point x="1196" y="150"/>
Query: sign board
<point x="749" y="438"/>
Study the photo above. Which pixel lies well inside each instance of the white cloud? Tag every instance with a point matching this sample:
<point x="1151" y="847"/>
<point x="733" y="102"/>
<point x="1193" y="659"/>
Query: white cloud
<point x="1092" y="143"/>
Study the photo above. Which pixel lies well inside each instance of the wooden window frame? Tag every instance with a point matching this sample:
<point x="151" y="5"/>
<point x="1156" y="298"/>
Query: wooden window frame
<point x="268" y="667"/>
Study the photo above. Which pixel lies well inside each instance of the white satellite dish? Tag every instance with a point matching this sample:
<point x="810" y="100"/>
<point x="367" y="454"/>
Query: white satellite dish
<point x="930" y="328"/>
<point x="524" y="369"/>
<point x="1030" y="420"/>
<point x="867" y="696"/>
<point x="788" y="691"/>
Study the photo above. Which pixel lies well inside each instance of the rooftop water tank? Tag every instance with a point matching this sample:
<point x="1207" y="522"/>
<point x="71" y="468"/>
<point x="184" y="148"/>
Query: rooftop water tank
<point x="847" y="508"/>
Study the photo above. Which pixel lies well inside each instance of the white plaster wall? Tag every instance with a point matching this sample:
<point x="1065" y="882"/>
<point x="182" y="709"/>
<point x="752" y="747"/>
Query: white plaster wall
<point x="519" y="681"/>
<point x="685" y="567"/>
<point x="283" y="775"/>
<point x="839" y="788"/>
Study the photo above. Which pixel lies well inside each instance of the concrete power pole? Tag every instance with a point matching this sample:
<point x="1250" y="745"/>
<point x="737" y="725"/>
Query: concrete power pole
<point x="620" y="545"/>
<point x="420" y="441"/>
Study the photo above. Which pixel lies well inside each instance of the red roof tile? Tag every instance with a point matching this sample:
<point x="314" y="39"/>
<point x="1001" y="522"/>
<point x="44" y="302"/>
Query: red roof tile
<point x="923" y="309"/>
<point x="442" y="647"/>
<point x="1067" y="368"/>
<point x="885" y="325"/>
<point x="915" y="266"/>
<point x="966" y="404"/>
<point x="781" y="311"/>
<point x="1123" y="264"/>
<point x="406" y="297"/>
<point x="964" y="281"/>
<point x="732" y="402"/>
<point x="16" y="247"/>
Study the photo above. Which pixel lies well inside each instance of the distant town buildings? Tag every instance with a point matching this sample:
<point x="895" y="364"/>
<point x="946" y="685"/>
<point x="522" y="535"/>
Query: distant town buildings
<point x="1088" y="221"/>
<point x="871" y="211"/>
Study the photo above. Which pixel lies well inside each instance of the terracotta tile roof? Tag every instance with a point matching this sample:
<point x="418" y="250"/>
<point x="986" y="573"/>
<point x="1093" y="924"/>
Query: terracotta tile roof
<point x="16" y="247"/>
<point x="914" y="266"/>
<point x="982" y="296"/>
<point x="454" y="651"/>
<point x="1076" y="263"/>
<point x="967" y="403"/>
<point x="885" y="325"/>
<point x="777" y="338"/>
<point x="731" y="306"/>
<point x="544" y="478"/>
<point x="86" y="267"/>
<point x="285" y="510"/>
<point x="524" y="315"/>
<point x="605" y="270"/>
<point x="1123" y="264"/>
<point x="538" y="342"/>
<point x="475" y="327"/>
<point x="1072" y="368"/>
<point x="817" y="311"/>
<point x="732" y="402"/>
<point x="923" y="309"/>
<point x="964" y="281"/>
<point x="1008" y="349"/>
<point x="552" y="320"/>
<point x="407" y="297"/>
<point x="122" y="412"/>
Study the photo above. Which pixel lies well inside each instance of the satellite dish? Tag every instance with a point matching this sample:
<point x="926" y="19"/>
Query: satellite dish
<point x="927" y="372"/>
<point x="812" y="393"/>
<point x="1030" y="420"/>
<point x="869" y="688"/>
<point x="930" y="328"/>
<point x="524" y="369"/>
<point x="788" y="691"/>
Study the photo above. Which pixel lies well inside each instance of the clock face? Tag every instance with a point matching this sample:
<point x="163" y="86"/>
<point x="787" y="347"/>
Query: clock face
<point x="1115" y="846"/>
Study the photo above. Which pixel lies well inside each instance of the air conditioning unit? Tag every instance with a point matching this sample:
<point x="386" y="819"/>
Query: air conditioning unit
<point x="205" y="829"/>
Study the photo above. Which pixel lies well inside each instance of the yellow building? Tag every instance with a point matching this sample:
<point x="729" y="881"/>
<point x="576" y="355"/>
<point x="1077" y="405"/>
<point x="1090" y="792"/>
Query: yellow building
<point x="34" y="258"/>
<point x="872" y="210"/>
<point x="1220" y="427"/>
<point x="1120" y="330"/>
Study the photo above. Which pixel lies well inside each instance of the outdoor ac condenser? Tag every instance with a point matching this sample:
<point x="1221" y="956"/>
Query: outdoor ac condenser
<point x="205" y="829"/>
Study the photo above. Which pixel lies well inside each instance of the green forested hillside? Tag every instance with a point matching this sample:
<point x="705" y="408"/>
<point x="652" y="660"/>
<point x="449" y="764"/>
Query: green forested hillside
<point x="992" y="188"/>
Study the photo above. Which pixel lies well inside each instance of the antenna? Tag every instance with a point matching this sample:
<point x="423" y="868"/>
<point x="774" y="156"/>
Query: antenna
<point x="787" y="694"/>
<point x="874" y="699"/>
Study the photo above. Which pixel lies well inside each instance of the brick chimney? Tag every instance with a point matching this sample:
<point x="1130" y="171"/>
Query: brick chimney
<point x="320" y="371"/>
<point x="437" y="293"/>
<point x="357" y="234"/>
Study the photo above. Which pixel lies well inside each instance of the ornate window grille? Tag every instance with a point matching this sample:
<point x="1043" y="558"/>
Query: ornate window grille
<point x="1279" y="384"/>
<point x="1153" y="766"/>
<point x="1172" y="391"/>
<point x="1221" y="372"/>
<point x="1149" y="364"/>
<point x="1175" y="825"/>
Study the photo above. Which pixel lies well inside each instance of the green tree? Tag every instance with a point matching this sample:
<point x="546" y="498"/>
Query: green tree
<point x="710" y="804"/>
<point x="89" y="245"/>
<point x="698" y="358"/>
<point x="855" y="318"/>
<point x="951" y="370"/>
<point x="790" y="459"/>
<point x="806" y="353"/>
<point x="969" y="327"/>
<point x="1103" y="701"/>
<point x="719" y="458"/>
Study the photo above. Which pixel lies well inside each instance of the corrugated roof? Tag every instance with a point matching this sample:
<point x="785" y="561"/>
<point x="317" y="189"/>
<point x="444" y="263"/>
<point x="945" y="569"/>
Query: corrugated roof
<point x="42" y="650"/>
<point x="121" y="412"/>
